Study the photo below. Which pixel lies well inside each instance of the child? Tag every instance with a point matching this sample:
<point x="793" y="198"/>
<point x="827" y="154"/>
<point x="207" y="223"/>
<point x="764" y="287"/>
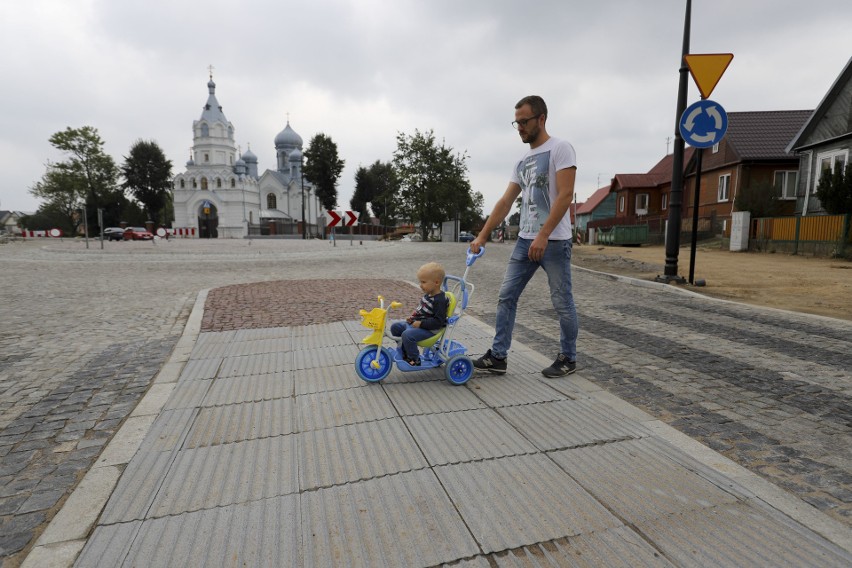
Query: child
<point x="429" y="317"/>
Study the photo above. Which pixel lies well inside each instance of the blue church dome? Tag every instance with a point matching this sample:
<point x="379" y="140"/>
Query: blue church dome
<point x="288" y="138"/>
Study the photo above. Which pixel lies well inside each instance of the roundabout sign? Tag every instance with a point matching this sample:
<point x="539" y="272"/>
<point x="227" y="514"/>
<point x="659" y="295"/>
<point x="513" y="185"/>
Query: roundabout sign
<point x="703" y="124"/>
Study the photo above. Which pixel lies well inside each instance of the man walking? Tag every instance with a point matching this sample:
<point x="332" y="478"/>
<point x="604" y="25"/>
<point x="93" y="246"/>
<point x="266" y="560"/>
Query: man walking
<point x="544" y="178"/>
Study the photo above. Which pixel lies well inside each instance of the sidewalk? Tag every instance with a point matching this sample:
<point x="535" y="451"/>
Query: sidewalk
<point x="261" y="447"/>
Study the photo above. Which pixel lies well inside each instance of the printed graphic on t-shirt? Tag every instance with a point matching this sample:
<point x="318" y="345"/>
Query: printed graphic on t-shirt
<point x="535" y="191"/>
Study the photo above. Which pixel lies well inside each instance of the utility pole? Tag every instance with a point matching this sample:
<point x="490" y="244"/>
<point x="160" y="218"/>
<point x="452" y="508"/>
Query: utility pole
<point x="676" y="196"/>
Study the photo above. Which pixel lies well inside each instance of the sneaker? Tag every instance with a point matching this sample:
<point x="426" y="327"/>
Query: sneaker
<point x="489" y="362"/>
<point x="560" y="368"/>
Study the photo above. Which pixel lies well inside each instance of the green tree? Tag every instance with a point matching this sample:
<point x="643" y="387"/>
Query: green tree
<point x="378" y="187"/>
<point x="758" y="198"/>
<point x="323" y="168"/>
<point x="63" y="195"/>
<point x="88" y="177"/>
<point x="835" y="194"/>
<point x="433" y="184"/>
<point x="835" y="191"/>
<point x="147" y="175"/>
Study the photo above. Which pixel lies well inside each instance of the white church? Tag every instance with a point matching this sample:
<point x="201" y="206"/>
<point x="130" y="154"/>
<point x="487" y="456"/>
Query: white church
<point x="220" y="195"/>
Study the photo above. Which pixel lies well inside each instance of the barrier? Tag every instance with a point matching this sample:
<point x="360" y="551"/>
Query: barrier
<point x="183" y="232"/>
<point x="52" y="233"/>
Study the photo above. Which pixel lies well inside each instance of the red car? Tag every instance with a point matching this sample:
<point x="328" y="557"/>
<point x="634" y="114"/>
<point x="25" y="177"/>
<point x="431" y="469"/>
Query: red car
<point x="137" y="234"/>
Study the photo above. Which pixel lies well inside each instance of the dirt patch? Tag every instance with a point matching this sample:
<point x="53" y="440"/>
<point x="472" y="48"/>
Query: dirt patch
<point x="798" y="283"/>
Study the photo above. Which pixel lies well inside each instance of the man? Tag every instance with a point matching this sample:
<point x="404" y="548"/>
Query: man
<point x="544" y="178"/>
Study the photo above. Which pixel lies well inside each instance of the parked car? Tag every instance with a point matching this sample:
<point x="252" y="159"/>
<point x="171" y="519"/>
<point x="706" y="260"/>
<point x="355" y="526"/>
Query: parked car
<point x="465" y="237"/>
<point x="137" y="234"/>
<point x="114" y="233"/>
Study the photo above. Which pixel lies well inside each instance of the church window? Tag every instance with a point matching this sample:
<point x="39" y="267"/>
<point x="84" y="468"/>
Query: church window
<point x="271" y="201"/>
<point x="205" y="130"/>
<point x="182" y="184"/>
<point x="218" y="182"/>
<point x="204" y="183"/>
<point x="194" y="184"/>
<point x="233" y="182"/>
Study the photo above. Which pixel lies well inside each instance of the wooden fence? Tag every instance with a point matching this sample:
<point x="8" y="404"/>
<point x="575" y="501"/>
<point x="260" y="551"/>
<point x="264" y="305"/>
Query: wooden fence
<point x="814" y="228"/>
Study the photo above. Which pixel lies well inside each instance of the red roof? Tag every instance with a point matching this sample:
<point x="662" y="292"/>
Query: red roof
<point x="591" y="203"/>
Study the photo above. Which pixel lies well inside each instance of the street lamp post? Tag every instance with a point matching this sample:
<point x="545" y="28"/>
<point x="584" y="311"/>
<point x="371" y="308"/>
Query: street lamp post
<point x="302" y="176"/>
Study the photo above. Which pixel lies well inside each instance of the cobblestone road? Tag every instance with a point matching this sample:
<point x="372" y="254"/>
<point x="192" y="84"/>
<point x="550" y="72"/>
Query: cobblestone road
<point x="85" y="330"/>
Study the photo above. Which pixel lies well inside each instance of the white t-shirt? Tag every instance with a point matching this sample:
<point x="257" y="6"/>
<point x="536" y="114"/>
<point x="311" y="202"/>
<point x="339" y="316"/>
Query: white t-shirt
<point x="536" y="174"/>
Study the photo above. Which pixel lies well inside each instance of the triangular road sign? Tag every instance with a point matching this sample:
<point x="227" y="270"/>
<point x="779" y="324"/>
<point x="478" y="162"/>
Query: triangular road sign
<point x="707" y="69"/>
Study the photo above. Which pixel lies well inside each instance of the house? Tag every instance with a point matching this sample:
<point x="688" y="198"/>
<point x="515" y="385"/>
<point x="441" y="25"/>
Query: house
<point x="644" y="198"/>
<point x="753" y="152"/>
<point x="9" y="222"/>
<point x="601" y="205"/>
<point x="824" y="141"/>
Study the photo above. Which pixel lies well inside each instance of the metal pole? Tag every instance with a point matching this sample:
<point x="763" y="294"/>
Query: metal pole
<point x="676" y="196"/>
<point x="695" y="202"/>
<point x="302" y="176"/>
<point x="86" y="225"/>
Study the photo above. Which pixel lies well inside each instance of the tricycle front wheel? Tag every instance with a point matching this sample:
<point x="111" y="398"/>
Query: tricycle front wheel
<point x="370" y="368"/>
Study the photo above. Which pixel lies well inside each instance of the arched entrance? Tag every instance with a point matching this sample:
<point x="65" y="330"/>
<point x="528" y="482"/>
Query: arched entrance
<point x="208" y="220"/>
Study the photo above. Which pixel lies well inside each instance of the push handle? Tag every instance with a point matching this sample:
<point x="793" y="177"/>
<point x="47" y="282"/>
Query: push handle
<point x="471" y="257"/>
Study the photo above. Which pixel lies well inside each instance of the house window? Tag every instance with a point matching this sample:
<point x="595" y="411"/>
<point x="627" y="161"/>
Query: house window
<point x="621" y="204"/>
<point x="716" y="148"/>
<point x="724" y="193"/>
<point x="203" y="183"/>
<point x="642" y="203"/>
<point x="271" y="201"/>
<point x="830" y="162"/>
<point x="785" y="184"/>
<point x="665" y="201"/>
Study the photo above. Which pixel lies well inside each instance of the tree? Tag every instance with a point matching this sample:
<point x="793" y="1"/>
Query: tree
<point x="378" y="187"/>
<point x="88" y="177"/>
<point x="835" y="194"/>
<point x="148" y="176"/>
<point x="759" y="198"/>
<point x="835" y="191"/>
<point x="323" y="168"/>
<point x="432" y="180"/>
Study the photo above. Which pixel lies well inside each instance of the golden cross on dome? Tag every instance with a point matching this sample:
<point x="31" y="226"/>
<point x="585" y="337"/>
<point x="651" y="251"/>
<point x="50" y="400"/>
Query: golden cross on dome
<point x="210" y="68"/>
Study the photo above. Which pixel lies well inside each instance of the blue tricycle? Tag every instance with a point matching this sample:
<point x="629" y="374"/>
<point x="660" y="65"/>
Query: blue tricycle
<point x="375" y="361"/>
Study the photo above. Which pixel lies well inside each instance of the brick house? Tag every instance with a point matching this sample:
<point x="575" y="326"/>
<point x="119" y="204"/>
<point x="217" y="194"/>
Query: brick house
<point x="753" y="151"/>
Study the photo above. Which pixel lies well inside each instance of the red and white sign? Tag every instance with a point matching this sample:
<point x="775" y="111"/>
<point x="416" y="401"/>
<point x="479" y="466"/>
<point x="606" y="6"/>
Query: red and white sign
<point x="341" y="218"/>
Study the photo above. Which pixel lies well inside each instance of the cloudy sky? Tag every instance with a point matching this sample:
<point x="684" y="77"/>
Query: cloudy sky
<point x="362" y="71"/>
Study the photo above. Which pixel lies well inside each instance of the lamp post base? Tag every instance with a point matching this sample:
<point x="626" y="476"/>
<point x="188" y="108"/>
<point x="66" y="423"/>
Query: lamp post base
<point x="670" y="279"/>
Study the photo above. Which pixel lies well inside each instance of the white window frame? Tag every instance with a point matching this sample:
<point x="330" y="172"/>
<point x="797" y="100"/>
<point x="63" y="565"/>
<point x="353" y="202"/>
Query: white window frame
<point x="621" y="204"/>
<point x="642" y="200"/>
<point x="832" y="157"/>
<point x="715" y="148"/>
<point x="723" y="192"/>
<point x="664" y="202"/>
<point x="788" y="184"/>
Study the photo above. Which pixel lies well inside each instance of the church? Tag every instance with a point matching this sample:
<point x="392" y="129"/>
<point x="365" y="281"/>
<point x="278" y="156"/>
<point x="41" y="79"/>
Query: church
<point x="220" y="195"/>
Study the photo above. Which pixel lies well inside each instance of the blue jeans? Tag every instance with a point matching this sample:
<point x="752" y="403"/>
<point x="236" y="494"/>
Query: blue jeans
<point x="410" y="337"/>
<point x="557" y="264"/>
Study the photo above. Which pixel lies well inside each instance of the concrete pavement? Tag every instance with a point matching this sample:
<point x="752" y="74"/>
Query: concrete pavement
<point x="637" y="428"/>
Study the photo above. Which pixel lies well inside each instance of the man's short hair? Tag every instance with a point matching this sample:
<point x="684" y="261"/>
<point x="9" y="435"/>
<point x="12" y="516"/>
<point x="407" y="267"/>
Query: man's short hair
<point x="536" y="103"/>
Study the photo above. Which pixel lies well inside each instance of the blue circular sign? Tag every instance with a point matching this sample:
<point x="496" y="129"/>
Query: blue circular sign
<point x="703" y="124"/>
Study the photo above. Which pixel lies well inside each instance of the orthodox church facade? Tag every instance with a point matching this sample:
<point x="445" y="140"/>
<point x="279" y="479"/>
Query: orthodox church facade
<point x="221" y="195"/>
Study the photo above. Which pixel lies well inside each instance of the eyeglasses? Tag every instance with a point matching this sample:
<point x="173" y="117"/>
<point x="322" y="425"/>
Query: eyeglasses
<point x="522" y="123"/>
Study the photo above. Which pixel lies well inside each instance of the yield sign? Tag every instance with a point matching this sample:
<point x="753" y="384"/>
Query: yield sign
<point x="707" y="69"/>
